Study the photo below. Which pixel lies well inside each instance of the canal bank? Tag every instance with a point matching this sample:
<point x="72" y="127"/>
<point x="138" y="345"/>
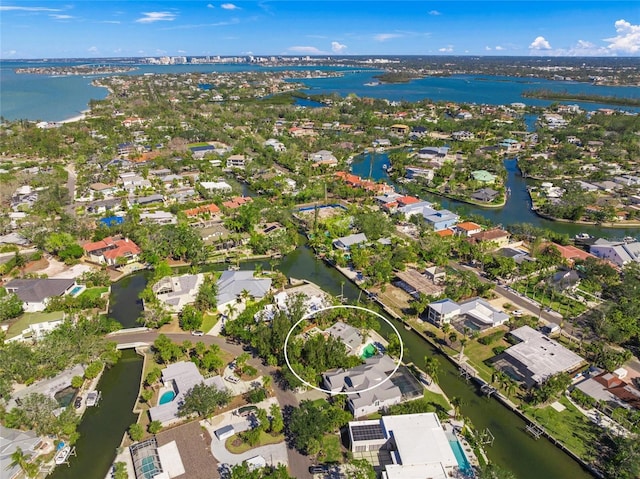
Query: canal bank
<point x="513" y="447"/>
<point x="103" y="426"/>
<point x="517" y="209"/>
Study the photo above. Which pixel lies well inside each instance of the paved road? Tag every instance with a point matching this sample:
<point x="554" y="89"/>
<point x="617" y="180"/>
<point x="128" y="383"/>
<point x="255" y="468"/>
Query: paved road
<point x="518" y="300"/>
<point x="71" y="186"/>
<point x="298" y="463"/>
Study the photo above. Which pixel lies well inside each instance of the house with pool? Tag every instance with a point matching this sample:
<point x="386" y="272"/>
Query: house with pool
<point x="177" y="380"/>
<point x="36" y="293"/>
<point x="410" y="446"/>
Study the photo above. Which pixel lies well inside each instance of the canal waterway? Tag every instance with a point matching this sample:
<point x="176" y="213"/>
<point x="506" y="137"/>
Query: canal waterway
<point x="103" y="426"/>
<point x="516" y="210"/>
<point x="513" y="448"/>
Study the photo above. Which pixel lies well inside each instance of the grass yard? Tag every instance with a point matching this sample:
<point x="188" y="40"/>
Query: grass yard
<point x="332" y="448"/>
<point x="236" y="445"/>
<point x="436" y="398"/>
<point x="550" y="298"/>
<point x="570" y="427"/>
<point x="209" y="321"/>
<point x="94" y="293"/>
<point x="478" y="353"/>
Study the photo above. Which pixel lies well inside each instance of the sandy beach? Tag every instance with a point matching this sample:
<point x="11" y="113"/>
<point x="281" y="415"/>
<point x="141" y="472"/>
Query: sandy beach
<point x="81" y="116"/>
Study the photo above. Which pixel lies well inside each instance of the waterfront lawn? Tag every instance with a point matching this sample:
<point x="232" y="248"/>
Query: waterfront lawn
<point x="209" y="321"/>
<point x="236" y="445"/>
<point x="437" y="399"/>
<point x="331" y="448"/>
<point x="479" y="353"/>
<point x="570" y="427"/>
<point x="94" y="293"/>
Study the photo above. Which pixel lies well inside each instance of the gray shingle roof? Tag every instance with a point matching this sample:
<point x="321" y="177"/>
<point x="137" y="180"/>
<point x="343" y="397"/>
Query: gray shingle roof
<point x="37" y="290"/>
<point x="232" y="283"/>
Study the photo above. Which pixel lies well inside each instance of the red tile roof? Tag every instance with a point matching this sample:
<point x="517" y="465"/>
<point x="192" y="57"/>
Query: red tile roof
<point x="212" y="208"/>
<point x="237" y="202"/>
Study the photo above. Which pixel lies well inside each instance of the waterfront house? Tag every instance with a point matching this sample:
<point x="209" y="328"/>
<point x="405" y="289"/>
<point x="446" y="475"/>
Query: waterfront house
<point x="32" y="326"/>
<point x="348" y="335"/>
<point x="12" y="440"/>
<point x="35" y="294"/>
<point x="417" y="443"/>
<point x="232" y="284"/>
<point x="468" y="228"/>
<point x="498" y="237"/>
<point x="486" y="195"/>
<point x="237" y="161"/>
<point x="618" y="252"/>
<point x="175" y="292"/>
<point x="536" y="357"/>
<point x="179" y="378"/>
<point x="112" y="251"/>
<point x="346" y="242"/>
<point x="216" y="186"/>
<point x="475" y="313"/>
<point x="611" y="388"/>
<point x="441" y="219"/>
<point x="483" y="176"/>
<point x="415" y="283"/>
<point x="354" y="381"/>
<point x="413" y="172"/>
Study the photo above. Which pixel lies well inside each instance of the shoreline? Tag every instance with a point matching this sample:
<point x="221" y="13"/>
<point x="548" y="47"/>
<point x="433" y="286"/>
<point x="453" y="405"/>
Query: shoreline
<point x="587" y="223"/>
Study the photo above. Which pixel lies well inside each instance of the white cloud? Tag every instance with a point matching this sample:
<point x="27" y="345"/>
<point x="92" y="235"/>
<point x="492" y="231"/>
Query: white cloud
<point x="540" y="44"/>
<point x="447" y="49"/>
<point x="210" y="6"/>
<point x="116" y="22"/>
<point x="435" y="13"/>
<point x="10" y="53"/>
<point x="56" y="16"/>
<point x="499" y="48"/>
<point x="8" y="8"/>
<point x="182" y="52"/>
<point x="305" y="49"/>
<point x="230" y="6"/>
<point x="93" y="49"/>
<point x="383" y="37"/>
<point x="151" y="17"/>
<point x="337" y="47"/>
<point x="488" y="48"/>
<point x="627" y="40"/>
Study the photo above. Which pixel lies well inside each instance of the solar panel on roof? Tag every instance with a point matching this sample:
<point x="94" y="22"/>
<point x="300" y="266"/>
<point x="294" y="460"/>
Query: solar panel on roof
<point x="367" y="432"/>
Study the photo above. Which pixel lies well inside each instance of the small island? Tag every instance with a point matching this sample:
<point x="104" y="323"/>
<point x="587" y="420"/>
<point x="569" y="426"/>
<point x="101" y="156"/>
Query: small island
<point x="397" y="77"/>
<point x="76" y="70"/>
<point x="565" y="95"/>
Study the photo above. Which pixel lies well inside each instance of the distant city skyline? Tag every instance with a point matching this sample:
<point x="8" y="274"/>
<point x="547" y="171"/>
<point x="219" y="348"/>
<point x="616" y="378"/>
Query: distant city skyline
<point x="97" y="29"/>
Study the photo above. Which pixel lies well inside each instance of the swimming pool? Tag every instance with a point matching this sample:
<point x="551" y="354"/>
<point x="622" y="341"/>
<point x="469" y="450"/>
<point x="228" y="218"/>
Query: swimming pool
<point x="167" y="397"/>
<point x="76" y="290"/>
<point x="369" y="350"/>
<point x="463" y="462"/>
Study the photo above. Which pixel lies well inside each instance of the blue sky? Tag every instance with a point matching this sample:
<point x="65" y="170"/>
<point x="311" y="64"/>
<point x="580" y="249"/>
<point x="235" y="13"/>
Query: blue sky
<point x="99" y="28"/>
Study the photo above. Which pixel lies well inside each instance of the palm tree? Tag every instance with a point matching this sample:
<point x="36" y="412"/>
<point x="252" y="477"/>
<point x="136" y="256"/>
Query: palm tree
<point x="245" y="295"/>
<point x="20" y="459"/>
<point x="456" y="402"/>
<point x="266" y="381"/>
<point x="431" y="367"/>
<point x="230" y="310"/>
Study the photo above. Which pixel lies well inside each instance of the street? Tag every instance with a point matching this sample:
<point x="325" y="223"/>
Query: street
<point x="298" y="463"/>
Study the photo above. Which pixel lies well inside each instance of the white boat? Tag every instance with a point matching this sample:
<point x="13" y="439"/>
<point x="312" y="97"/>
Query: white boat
<point x="385" y="166"/>
<point x="92" y="398"/>
<point x="62" y="455"/>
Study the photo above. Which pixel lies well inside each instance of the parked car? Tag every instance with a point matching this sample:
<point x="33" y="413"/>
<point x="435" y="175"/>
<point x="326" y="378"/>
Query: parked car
<point x="318" y="468"/>
<point x="197" y="332"/>
<point x="517" y="313"/>
<point x="232" y="379"/>
<point x="78" y="402"/>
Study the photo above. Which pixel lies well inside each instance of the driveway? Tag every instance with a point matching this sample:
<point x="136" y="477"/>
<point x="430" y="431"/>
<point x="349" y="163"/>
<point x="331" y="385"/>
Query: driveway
<point x="273" y="453"/>
<point x="298" y="463"/>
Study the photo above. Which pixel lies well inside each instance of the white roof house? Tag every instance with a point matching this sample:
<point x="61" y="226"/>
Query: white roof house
<point x="476" y="310"/>
<point x="346" y="242"/>
<point x="222" y="186"/>
<point x="232" y="283"/>
<point x="178" y="291"/>
<point x="349" y="336"/>
<point x="618" y="252"/>
<point x="537" y="357"/>
<point x="181" y="377"/>
<point x="419" y="445"/>
<point x="313" y="299"/>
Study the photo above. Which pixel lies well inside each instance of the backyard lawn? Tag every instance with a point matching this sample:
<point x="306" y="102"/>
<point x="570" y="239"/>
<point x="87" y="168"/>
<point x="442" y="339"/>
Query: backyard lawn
<point x="209" y="321"/>
<point x="570" y="427"/>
